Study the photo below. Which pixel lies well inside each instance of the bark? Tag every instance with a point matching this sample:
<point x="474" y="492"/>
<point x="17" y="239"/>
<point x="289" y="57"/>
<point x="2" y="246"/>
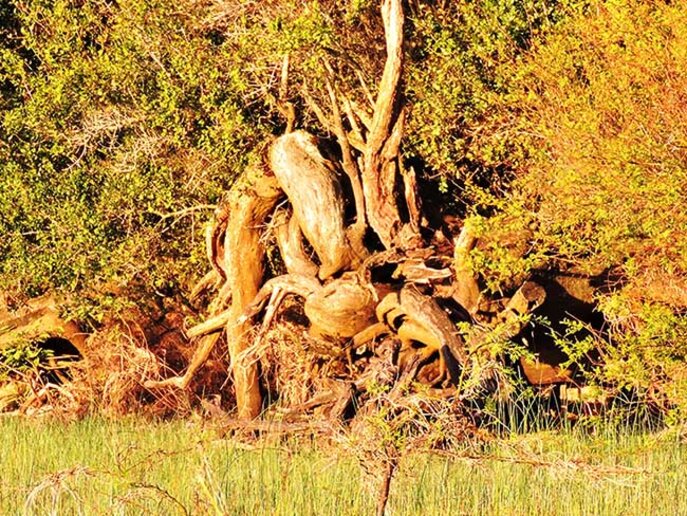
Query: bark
<point x="249" y="208"/>
<point x="385" y="487"/>
<point x="382" y="146"/>
<point x="314" y="189"/>
<point x="249" y="204"/>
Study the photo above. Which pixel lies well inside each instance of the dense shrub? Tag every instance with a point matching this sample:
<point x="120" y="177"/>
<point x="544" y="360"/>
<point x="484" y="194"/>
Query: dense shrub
<point x="603" y="99"/>
<point x="122" y="123"/>
<point x="560" y="126"/>
<point x="461" y="70"/>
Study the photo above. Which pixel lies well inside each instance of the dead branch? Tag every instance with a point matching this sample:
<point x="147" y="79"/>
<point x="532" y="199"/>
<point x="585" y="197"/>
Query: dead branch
<point x="378" y="174"/>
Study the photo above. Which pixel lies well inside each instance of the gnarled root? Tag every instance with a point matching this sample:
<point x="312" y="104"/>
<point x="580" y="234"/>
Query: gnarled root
<point x="424" y="329"/>
<point x="353" y="292"/>
<point x="341" y="309"/>
<point x="314" y="189"/>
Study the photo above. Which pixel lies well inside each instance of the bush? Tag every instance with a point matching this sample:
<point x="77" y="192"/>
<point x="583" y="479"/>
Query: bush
<point x="603" y="99"/>
<point x="121" y="124"/>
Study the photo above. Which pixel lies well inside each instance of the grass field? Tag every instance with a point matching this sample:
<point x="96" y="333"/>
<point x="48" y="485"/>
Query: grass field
<point x="96" y="466"/>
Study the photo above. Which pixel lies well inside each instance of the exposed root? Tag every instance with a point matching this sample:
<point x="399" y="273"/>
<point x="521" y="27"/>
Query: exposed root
<point x="364" y="312"/>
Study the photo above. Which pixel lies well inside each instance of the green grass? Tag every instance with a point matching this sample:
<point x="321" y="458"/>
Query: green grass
<point x="131" y="466"/>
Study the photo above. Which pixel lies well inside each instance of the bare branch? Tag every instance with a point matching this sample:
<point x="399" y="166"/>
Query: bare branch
<point x="366" y="90"/>
<point x="349" y="165"/>
<point x="386" y="130"/>
<point x="211" y="325"/>
<point x="386" y="103"/>
<point x="207" y="281"/>
<point x="285" y="107"/>
<point x="214" y="239"/>
<point x="284" y="84"/>
<point x="297" y="284"/>
<point x="315" y="108"/>
<point x="412" y="199"/>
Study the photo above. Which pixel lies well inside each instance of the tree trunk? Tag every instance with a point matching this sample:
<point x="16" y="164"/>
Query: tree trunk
<point x="244" y="257"/>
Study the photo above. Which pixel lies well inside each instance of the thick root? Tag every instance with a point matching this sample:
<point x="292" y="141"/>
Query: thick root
<point x="291" y="248"/>
<point x="312" y="184"/>
<point x="341" y="309"/>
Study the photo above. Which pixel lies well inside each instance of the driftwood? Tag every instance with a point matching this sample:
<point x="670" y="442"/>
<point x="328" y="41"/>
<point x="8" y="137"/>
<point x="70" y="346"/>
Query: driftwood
<point x="382" y="308"/>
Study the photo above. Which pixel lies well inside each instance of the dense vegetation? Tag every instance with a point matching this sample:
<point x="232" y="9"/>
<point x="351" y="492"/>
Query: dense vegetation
<point x="123" y="122"/>
<point x="123" y="467"/>
<point x="559" y="129"/>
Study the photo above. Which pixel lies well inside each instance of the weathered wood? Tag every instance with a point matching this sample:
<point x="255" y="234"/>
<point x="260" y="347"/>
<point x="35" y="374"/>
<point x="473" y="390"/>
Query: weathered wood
<point x="40" y="319"/>
<point x="525" y="300"/>
<point x="369" y="334"/>
<point x="414" y="270"/>
<point x="207" y="282"/>
<point x="210" y="325"/>
<point x="205" y="346"/>
<point x="342" y="308"/>
<point x="297" y="284"/>
<point x="349" y="164"/>
<point x="421" y="342"/>
<point x="291" y="248"/>
<point x="244" y="264"/>
<point x="466" y="291"/>
<point x="512" y="319"/>
<point x="248" y="206"/>
<point x="412" y="198"/>
<point x="214" y="240"/>
<point x="386" y="130"/>
<point x="285" y="107"/>
<point x="418" y="318"/>
<point x="314" y="189"/>
<point x="539" y="373"/>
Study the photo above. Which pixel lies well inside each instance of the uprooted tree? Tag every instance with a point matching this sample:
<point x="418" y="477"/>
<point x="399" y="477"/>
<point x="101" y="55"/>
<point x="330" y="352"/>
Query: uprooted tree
<point x="356" y="247"/>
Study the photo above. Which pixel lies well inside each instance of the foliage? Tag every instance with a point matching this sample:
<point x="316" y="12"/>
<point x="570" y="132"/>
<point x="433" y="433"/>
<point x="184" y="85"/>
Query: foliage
<point x="122" y="123"/>
<point x="22" y="356"/>
<point x="559" y="126"/>
<point x="602" y="99"/>
<point x="648" y="352"/>
<point x="460" y="70"/>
